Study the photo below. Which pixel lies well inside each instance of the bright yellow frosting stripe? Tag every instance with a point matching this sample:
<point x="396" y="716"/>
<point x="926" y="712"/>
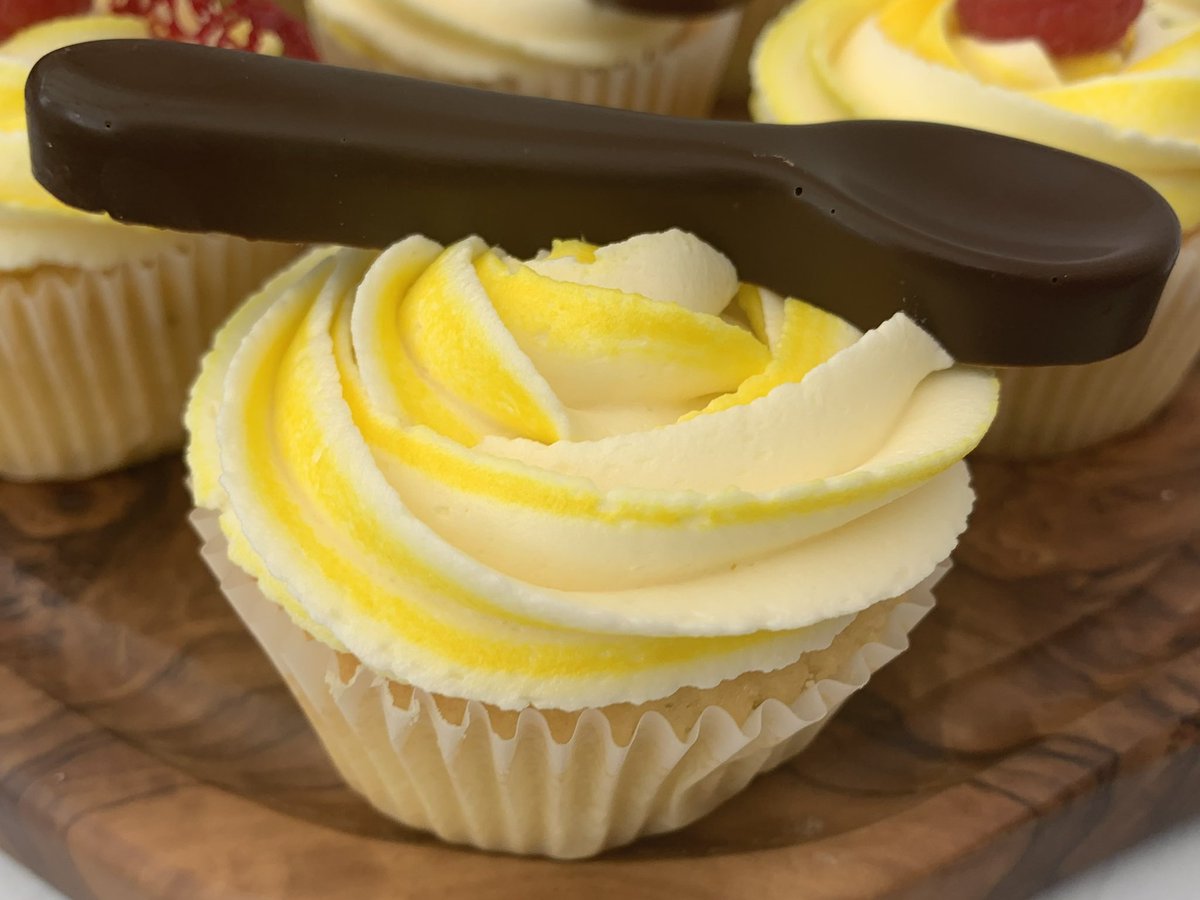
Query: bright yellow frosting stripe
<point x="577" y="250"/>
<point x="1150" y="104"/>
<point x="400" y="386"/>
<point x="569" y="325"/>
<point x="448" y="325"/>
<point x="810" y="336"/>
<point x="750" y="303"/>
<point x="1179" y="54"/>
<point x="209" y="388"/>
<point x="922" y="25"/>
<point x="12" y="95"/>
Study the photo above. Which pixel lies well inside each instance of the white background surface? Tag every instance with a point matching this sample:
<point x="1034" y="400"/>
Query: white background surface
<point x="1164" y="868"/>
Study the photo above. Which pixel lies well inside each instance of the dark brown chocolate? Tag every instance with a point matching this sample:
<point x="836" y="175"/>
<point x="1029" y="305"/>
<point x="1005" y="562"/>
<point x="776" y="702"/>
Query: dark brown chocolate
<point x="1010" y="253"/>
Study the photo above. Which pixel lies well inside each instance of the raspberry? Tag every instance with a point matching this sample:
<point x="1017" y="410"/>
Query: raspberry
<point x="1065" y="27"/>
<point x="18" y="14"/>
<point x="257" y="25"/>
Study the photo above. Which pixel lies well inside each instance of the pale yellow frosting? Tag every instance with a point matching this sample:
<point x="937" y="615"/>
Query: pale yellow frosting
<point x="1137" y="107"/>
<point x="593" y="477"/>
<point x="35" y="229"/>
<point x="486" y="40"/>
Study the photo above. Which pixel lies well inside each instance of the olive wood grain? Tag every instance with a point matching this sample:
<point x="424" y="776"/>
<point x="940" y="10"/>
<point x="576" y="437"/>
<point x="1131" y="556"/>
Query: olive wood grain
<point x="1047" y="715"/>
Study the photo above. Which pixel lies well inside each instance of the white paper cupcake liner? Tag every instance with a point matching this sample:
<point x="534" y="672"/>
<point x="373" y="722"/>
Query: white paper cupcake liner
<point x="526" y="791"/>
<point x="95" y="365"/>
<point x="681" y="79"/>
<point x="1046" y="411"/>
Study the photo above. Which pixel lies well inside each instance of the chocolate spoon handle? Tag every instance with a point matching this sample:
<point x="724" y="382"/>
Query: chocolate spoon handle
<point x="1010" y="253"/>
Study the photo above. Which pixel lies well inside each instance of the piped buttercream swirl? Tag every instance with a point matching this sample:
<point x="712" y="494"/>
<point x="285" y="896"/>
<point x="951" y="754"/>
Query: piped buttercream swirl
<point x="1137" y="106"/>
<point x="592" y="477"/>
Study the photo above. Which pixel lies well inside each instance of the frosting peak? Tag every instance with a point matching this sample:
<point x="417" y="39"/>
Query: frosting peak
<point x="592" y="477"/>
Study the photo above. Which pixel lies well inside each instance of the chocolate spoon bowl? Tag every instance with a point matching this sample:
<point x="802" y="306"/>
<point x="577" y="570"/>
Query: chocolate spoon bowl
<point x="1010" y="253"/>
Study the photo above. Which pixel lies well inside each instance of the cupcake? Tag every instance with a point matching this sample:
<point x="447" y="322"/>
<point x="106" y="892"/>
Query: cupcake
<point x="1121" y="87"/>
<point x="102" y="325"/>
<point x="565" y="49"/>
<point x="562" y="552"/>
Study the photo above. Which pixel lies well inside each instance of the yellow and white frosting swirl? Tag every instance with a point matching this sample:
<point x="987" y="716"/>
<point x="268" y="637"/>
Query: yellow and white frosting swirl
<point x="594" y="477"/>
<point x="1137" y="107"/>
<point x="487" y="40"/>
<point x="35" y="228"/>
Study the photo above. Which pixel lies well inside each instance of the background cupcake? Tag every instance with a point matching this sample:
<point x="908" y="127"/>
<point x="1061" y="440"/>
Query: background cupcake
<point x="1120" y="84"/>
<point x="559" y="553"/>
<point x="565" y="49"/>
<point x="102" y="325"/>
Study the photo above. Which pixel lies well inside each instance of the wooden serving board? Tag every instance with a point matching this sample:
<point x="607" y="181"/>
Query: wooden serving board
<point x="1047" y="715"/>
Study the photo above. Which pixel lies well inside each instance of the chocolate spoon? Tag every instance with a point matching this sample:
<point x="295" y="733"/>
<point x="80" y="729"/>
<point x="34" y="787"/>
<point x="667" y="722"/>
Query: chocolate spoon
<point x="1010" y="253"/>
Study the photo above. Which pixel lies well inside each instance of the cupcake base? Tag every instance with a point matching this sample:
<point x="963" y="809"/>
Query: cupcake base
<point x="95" y="365"/>
<point x="552" y="783"/>
<point x="1049" y="411"/>
<point x="680" y="80"/>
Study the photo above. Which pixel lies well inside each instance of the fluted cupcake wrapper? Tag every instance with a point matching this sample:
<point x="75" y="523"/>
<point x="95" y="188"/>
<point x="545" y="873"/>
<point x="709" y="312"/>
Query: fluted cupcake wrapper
<point x="681" y="79"/>
<point x="95" y="365"/>
<point x="1047" y="411"/>
<point x="528" y="792"/>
